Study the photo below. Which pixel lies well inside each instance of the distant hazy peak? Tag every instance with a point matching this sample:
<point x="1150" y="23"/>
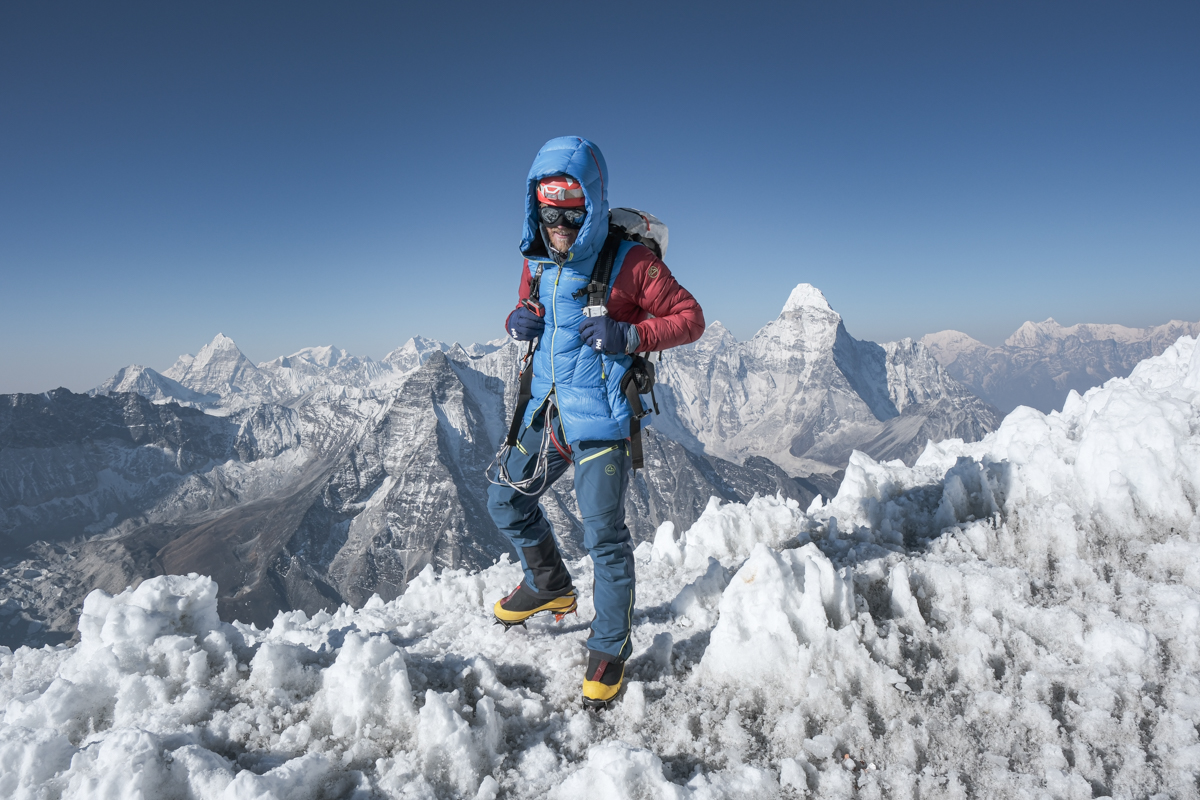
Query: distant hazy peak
<point x="1031" y="334"/>
<point x="1036" y="334"/>
<point x="805" y="295"/>
<point x="715" y="337"/>
<point x="323" y="356"/>
<point x="947" y="345"/>
<point x="413" y="353"/>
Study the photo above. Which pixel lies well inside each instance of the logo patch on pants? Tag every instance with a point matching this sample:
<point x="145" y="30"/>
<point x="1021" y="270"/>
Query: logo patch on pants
<point x="610" y="469"/>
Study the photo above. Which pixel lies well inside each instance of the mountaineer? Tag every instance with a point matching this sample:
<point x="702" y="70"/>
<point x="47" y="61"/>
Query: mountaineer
<point x="579" y="398"/>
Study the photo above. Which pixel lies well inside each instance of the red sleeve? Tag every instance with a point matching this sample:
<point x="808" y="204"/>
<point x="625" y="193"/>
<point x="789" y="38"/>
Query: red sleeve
<point x="645" y="292"/>
<point x="526" y="279"/>
<point x="523" y="291"/>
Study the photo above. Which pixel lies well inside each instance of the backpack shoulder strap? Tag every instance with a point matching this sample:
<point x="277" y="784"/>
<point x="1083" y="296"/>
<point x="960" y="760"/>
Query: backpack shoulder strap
<point x="597" y="288"/>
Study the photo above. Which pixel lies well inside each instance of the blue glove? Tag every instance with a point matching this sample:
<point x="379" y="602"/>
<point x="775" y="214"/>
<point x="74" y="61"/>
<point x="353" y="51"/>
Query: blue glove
<point x="524" y="325"/>
<point x="604" y="334"/>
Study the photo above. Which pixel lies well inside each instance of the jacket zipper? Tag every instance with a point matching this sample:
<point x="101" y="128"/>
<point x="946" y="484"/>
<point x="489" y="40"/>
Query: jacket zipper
<point x="553" y="335"/>
<point x="542" y="405"/>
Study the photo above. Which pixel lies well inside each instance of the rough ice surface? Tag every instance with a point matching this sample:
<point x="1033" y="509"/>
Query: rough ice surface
<point x="1018" y="617"/>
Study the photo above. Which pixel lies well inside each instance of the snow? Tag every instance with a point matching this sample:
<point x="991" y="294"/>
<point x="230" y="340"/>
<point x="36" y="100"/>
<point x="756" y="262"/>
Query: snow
<point x="947" y="345"/>
<point x="1015" y="617"/>
<point x="1036" y="334"/>
<point x="805" y="295"/>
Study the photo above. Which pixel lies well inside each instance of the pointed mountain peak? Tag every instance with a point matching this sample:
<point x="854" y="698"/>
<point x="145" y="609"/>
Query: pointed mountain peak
<point x="807" y="323"/>
<point x="716" y="337"/>
<point x="413" y="353"/>
<point x="1030" y="334"/>
<point x="221" y="348"/>
<point x="806" y="296"/>
<point x="222" y="342"/>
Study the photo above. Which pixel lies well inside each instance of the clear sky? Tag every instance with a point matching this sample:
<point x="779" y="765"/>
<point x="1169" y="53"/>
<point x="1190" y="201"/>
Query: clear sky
<point x="296" y="174"/>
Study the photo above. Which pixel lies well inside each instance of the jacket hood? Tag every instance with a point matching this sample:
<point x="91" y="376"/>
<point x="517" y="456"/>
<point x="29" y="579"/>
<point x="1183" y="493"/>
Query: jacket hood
<point x="583" y="161"/>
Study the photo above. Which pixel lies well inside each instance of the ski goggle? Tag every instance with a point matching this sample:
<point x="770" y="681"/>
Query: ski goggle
<point x="571" y="217"/>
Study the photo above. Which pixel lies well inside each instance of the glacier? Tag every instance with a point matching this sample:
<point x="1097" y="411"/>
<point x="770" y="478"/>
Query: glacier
<point x="1013" y="617"/>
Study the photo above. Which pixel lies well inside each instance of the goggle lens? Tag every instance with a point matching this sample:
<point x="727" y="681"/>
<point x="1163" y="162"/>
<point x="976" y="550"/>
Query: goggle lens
<point x="571" y="217"/>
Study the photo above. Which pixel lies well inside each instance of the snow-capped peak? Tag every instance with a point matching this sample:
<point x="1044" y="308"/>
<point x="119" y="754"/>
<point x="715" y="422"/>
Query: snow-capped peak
<point x="220" y="368"/>
<point x="220" y="343"/>
<point x="806" y="324"/>
<point x="716" y="338"/>
<point x="804" y="296"/>
<point x="150" y="384"/>
<point x="220" y="349"/>
<point x="325" y="356"/>
<point x="413" y="353"/>
<point x="946" y="346"/>
<point x="1031" y="334"/>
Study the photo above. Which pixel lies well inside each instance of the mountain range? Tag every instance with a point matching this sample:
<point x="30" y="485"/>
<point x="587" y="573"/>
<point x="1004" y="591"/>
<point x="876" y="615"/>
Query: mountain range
<point x="1042" y="362"/>
<point x="323" y="478"/>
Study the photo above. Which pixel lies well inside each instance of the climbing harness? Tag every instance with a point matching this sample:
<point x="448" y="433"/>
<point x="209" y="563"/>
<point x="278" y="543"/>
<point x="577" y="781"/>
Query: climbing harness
<point x="499" y="462"/>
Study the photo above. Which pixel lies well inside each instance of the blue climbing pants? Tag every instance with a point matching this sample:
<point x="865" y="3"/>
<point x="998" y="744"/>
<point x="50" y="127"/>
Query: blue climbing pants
<point x="601" y="478"/>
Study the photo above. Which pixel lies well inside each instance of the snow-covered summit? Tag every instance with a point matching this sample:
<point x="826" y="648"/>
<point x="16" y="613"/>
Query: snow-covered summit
<point x="947" y="345"/>
<point x="152" y="385"/>
<point x="219" y="368"/>
<point x="325" y="356"/>
<point x="414" y="352"/>
<point x="805" y="295"/>
<point x="716" y="337"/>
<point x="806" y="323"/>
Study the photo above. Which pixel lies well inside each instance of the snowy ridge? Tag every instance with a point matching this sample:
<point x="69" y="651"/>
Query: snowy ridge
<point x="154" y="386"/>
<point x="1043" y="361"/>
<point x="1015" y="617"/>
<point x="221" y="380"/>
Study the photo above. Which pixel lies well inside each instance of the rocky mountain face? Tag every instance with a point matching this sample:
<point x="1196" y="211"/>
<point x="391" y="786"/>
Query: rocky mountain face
<point x="73" y="465"/>
<point x="1043" y="361"/>
<point x="353" y="496"/>
<point x="803" y="393"/>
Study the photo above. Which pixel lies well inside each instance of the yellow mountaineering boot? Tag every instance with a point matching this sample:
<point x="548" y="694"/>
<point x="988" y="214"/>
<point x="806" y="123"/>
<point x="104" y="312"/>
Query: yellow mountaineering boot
<point x="523" y="604"/>
<point x="602" y="681"/>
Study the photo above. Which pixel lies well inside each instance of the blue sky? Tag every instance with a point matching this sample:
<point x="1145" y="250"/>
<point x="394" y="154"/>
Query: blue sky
<point x="297" y="174"/>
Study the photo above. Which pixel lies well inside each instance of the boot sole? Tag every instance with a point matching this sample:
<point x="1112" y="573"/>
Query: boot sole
<point x="558" y="613"/>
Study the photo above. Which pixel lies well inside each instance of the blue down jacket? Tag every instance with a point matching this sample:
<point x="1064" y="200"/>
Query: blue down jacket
<point x="586" y="384"/>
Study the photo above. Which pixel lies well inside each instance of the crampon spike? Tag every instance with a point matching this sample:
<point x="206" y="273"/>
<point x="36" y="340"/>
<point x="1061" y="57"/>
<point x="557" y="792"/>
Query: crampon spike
<point x="509" y="625"/>
<point x="560" y="617"/>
